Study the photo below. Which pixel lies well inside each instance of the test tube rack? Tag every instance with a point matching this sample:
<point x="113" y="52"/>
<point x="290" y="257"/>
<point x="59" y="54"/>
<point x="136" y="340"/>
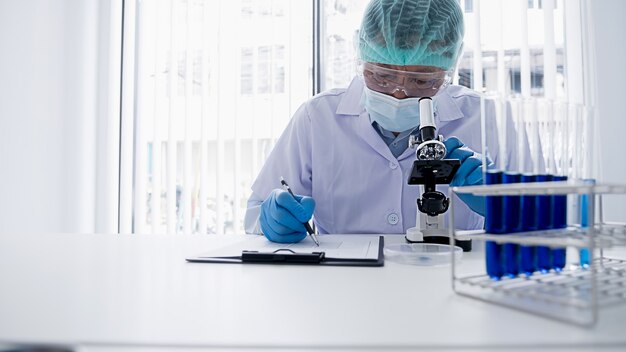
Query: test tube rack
<point x="577" y="293"/>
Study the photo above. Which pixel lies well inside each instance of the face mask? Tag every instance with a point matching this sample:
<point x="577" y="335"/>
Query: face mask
<point x="392" y="114"/>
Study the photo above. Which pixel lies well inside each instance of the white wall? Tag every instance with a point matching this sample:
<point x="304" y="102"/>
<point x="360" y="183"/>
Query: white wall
<point x="610" y="41"/>
<point x="48" y="86"/>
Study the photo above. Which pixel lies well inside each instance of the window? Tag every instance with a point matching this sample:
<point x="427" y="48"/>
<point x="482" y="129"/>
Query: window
<point x="210" y="98"/>
<point x="266" y="68"/>
<point x="537" y="4"/>
<point x="342" y="20"/>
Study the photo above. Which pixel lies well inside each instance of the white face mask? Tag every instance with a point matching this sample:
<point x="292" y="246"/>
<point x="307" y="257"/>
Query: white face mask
<point x="392" y="114"/>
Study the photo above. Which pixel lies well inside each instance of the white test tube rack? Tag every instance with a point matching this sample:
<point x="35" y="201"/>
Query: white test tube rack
<point x="573" y="295"/>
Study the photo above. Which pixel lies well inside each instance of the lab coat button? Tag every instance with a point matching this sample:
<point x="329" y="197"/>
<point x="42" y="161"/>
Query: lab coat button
<point x="393" y="218"/>
<point x="393" y="164"/>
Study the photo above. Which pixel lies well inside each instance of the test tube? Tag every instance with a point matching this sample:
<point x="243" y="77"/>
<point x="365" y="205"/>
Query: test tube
<point x="515" y="131"/>
<point x="544" y="204"/>
<point x="585" y="221"/>
<point x="492" y="130"/>
<point x="562" y="161"/>
<point x="586" y="131"/>
<point x="532" y="164"/>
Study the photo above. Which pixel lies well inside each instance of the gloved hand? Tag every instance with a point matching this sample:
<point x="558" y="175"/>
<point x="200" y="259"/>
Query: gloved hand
<point x="469" y="174"/>
<point x="282" y="216"/>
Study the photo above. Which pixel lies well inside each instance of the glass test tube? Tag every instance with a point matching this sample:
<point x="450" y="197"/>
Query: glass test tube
<point x="584" y="222"/>
<point x="514" y="131"/>
<point x="491" y="120"/>
<point x="528" y="262"/>
<point x="533" y="163"/>
<point x="494" y="224"/>
<point x="586" y="131"/>
<point x="512" y="224"/>
<point x="544" y="203"/>
<point x="544" y="222"/>
<point x="561" y="163"/>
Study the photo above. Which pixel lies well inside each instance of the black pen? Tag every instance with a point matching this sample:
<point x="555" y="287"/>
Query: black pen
<point x="306" y="224"/>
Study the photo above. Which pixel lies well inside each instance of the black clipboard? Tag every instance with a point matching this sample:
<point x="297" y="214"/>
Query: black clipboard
<point x="290" y="257"/>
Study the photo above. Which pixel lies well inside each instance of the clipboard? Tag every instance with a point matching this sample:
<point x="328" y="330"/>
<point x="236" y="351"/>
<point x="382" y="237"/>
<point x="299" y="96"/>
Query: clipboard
<point x="282" y="256"/>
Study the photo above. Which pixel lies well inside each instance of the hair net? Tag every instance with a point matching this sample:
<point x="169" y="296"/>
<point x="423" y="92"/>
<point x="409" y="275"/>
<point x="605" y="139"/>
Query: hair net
<point x="412" y="32"/>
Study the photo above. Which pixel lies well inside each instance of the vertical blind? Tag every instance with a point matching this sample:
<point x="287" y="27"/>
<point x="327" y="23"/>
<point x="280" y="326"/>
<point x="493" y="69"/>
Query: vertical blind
<point x="213" y="84"/>
<point x="208" y="86"/>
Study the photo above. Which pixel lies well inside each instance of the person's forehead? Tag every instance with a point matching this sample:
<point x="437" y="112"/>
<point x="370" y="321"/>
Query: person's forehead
<point x="411" y="68"/>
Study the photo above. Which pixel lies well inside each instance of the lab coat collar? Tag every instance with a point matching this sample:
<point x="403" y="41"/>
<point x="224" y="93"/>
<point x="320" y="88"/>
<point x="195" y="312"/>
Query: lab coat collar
<point x="350" y="104"/>
<point x="367" y="132"/>
<point x="447" y="108"/>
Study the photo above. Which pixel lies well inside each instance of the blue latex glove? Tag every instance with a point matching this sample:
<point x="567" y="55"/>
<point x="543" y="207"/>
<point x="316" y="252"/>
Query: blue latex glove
<point x="282" y="216"/>
<point x="469" y="174"/>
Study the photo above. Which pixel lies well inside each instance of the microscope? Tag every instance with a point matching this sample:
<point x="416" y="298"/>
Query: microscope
<point x="429" y="170"/>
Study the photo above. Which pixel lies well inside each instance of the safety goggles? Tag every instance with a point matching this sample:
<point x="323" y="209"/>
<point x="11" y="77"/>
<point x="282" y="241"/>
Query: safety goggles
<point x="413" y="84"/>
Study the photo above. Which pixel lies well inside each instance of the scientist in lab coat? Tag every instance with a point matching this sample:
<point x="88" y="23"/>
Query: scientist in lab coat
<point x="345" y="152"/>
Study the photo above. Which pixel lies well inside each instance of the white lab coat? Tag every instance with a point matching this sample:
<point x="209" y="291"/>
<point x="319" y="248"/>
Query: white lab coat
<point x="330" y="151"/>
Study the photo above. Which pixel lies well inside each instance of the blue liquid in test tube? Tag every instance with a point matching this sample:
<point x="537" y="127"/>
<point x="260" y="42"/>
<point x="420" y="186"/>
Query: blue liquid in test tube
<point x="559" y="221"/>
<point x="584" y="222"/>
<point x="528" y="263"/>
<point x="494" y="224"/>
<point x="544" y="222"/>
<point x="512" y="223"/>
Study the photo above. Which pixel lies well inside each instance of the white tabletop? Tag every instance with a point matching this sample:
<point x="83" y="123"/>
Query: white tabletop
<point x="138" y="291"/>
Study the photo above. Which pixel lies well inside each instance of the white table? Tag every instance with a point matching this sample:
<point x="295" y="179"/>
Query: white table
<point x="114" y="292"/>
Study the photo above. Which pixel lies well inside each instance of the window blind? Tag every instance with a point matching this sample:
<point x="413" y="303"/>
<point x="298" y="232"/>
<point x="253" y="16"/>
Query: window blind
<point x="209" y="87"/>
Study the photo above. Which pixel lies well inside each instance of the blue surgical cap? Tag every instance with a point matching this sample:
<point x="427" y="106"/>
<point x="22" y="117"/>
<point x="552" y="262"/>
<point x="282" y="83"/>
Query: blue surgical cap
<point x="412" y="32"/>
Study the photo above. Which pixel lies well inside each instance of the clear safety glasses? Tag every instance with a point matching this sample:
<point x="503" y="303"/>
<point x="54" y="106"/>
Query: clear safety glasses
<point x="413" y="84"/>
